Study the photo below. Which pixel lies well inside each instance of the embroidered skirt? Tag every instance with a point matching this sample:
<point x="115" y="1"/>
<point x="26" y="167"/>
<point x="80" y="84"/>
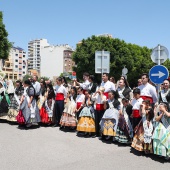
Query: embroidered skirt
<point x="138" y="139"/>
<point x="86" y="124"/>
<point x="108" y="128"/>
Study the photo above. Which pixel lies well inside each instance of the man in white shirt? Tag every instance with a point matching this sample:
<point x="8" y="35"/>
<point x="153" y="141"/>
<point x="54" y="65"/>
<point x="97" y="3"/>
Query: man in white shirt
<point x="147" y="91"/>
<point x="61" y="96"/>
<point x="36" y="86"/>
<point x="108" y="86"/>
<point x="86" y="82"/>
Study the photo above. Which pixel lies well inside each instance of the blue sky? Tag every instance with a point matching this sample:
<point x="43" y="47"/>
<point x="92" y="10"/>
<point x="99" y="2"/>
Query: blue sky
<point x="142" y="22"/>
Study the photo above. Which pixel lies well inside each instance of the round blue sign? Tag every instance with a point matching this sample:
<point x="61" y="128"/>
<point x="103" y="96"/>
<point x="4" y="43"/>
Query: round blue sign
<point x="158" y="74"/>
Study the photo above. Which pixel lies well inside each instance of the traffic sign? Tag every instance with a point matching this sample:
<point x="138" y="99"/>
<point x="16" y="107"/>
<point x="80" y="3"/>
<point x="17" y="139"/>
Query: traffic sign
<point x="159" y="54"/>
<point x="158" y="74"/>
<point x="102" y="62"/>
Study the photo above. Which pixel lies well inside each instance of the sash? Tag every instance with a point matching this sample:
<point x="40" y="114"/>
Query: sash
<point x="17" y="99"/>
<point x="49" y="110"/>
<point x="121" y="93"/>
<point x="165" y="123"/>
<point x="128" y="122"/>
<point x="163" y="95"/>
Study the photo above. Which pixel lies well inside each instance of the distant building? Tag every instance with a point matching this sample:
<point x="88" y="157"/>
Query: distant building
<point x="34" y="54"/>
<point x="15" y="67"/>
<point x="105" y="35"/>
<point x="56" y="60"/>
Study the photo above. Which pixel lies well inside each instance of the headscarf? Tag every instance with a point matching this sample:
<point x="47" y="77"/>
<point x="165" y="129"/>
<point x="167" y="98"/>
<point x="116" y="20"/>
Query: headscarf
<point x="10" y="88"/>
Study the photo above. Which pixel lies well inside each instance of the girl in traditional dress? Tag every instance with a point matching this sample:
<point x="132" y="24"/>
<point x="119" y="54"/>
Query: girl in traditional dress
<point x="4" y="102"/>
<point x="136" y="102"/>
<point x="124" y="133"/>
<point x="15" y="102"/>
<point x="164" y="94"/>
<point x="142" y="140"/>
<point x="161" y="135"/>
<point x="68" y="118"/>
<point x="99" y="99"/>
<point x="47" y="109"/>
<point x="109" y="120"/>
<point x="29" y="106"/>
<point x="86" y="118"/>
<point x="79" y="101"/>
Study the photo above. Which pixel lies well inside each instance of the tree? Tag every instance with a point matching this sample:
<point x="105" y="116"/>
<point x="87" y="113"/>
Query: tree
<point x="5" y="45"/>
<point x="136" y="59"/>
<point x="26" y="77"/>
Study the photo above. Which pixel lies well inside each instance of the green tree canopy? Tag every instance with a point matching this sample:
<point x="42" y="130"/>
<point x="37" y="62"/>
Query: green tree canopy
<point x="5" y="45"/>
<point x="136" y="59"/>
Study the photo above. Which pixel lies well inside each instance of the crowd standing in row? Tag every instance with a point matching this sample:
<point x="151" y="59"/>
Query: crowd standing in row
<point x="108" y="110"/>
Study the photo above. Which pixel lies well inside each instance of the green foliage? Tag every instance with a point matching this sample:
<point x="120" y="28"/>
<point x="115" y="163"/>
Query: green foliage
<point x="5" y="45"/>
<point x="26" y="77"/>
<point x="45" y="78"/>
<point x="136" y="59"/>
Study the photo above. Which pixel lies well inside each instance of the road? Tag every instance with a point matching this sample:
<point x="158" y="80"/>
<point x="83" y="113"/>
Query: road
<point x="48" y="148"/>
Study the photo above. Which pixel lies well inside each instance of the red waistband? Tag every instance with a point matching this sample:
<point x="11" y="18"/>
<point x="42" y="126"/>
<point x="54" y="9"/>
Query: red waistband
<point x="79" y="104"/>
<point x="147" y="98"/>
<point x="99" y="106"/>
<point x="59" y="96"/>
<point x="106" y="94"/>
<point x="136" y="113"/>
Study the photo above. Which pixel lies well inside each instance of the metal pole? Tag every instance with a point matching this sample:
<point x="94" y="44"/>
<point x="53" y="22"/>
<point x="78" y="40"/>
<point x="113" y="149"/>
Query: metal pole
<point x="102" y="64"/>
<point x="159" y="63"/>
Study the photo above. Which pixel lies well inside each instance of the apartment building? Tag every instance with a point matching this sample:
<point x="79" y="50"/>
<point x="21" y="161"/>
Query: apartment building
<point x="15" y="67"/>
<point x="34" y="54"/>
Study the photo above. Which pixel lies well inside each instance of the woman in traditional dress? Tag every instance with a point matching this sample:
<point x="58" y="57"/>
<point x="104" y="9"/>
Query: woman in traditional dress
<point x="161" y="135"/>
<point x="47" y="109"/>
<point x="29" y="106"/>
<point x="164" y="94"/>
<point x="142" y="140"/>
<point x="4" y="102"/>
<point x="124" y="133"/>
<point x="109" y="120"/>
<point x="15" y="102"/>
<point x="10" y="89"/>
<point x="86" y="121"/>
<point x="92" y="86"/>
<point x="68" y="118"/>
<point x="124" y="91"/>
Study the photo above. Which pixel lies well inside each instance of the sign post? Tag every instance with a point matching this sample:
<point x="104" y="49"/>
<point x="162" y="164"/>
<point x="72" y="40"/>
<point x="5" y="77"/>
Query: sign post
<point x="102" y="62"/>
<point x="159" y="73"/>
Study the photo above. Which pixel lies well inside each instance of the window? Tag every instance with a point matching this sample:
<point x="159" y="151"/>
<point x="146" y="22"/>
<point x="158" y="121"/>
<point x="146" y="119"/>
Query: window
<point x="20" y="68"/>
<point x="23" y="66"/>
<point x="16" y="66"/>
<point x="23" y="72"/>
<point x="23" y="55"/>
<point x="16" y="54"/>
<point x="16" y="60"/>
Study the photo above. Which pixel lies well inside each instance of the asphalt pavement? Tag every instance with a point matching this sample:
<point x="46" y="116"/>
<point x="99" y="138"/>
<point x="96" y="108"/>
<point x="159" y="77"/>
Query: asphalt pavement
<point x="48" y="148"/>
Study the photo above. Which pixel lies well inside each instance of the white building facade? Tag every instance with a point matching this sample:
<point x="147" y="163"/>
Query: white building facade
<point x="56" y="60"/>
<point x="34" y="54"/>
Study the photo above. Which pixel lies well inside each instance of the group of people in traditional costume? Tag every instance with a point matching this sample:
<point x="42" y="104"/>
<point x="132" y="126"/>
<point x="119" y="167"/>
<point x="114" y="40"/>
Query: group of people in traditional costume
<point x="109" y="110"/>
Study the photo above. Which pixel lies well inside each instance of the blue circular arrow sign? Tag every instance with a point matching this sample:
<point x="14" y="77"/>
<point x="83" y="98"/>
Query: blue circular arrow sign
<point x="158" y="74"/>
